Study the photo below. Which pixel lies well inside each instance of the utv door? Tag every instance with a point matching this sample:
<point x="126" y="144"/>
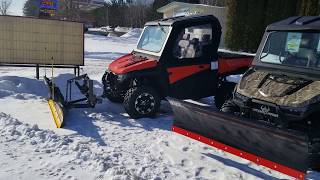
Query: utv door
<point x="192" y="71"/>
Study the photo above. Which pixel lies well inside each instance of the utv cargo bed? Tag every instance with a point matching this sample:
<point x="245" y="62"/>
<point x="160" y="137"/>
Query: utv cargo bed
<point x="281" y="150"/>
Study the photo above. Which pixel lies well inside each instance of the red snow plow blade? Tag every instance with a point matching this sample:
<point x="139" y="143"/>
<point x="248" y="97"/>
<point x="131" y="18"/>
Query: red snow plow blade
<point x="281" y="150"/>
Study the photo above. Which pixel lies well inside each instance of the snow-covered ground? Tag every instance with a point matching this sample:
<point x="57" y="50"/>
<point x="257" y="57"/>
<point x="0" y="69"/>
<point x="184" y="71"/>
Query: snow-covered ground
<point x="100" y="143"/>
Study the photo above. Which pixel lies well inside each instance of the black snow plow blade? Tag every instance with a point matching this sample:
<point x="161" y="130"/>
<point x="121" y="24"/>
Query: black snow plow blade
<point x="281" y="150"/>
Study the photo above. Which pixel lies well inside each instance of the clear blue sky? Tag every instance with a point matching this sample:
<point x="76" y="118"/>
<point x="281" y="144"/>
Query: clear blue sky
<point x="16" y="7"/>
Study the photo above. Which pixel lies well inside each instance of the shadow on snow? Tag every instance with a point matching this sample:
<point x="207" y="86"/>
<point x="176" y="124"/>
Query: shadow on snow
<point x="243" y="167"/>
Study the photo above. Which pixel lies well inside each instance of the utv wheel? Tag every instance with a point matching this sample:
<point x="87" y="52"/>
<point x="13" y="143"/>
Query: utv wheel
<point x="141" y="102"/>
<point x="224" y="93"/>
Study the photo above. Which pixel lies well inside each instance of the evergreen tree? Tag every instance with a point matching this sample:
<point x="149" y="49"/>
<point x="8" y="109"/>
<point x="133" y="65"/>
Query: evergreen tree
<point x="31" y="8"/>
<point x="101" y="15"/>
<point x="254" y="24"/>
<point x="308" y="7"/>
<point x="231" y="24"/>
<point x="236" y="24"/>
<point x="247" y="19"/>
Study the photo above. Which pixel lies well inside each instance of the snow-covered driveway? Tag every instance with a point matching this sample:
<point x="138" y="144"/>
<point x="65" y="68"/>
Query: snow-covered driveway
<point x="100" y="143"/>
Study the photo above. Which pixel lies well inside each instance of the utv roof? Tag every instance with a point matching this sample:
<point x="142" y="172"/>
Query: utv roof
<point x="184" y="19"/>
<point x="296" y="23"/>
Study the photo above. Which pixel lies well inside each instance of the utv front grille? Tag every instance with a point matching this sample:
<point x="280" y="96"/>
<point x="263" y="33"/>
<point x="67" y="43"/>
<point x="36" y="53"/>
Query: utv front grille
<point x="265" y="109"/>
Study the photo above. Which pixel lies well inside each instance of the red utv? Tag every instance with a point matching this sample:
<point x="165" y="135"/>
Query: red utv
<point x="176" y="57"/>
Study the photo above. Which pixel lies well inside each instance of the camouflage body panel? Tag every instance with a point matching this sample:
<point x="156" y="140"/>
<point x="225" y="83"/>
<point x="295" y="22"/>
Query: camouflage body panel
<point x="279" y="90"/>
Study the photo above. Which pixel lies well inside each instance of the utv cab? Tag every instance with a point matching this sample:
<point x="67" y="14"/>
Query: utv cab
<point x="176" y="57"/>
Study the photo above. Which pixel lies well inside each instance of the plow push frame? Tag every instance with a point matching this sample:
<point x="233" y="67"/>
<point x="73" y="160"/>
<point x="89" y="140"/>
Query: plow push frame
<point x="59" y="105"/>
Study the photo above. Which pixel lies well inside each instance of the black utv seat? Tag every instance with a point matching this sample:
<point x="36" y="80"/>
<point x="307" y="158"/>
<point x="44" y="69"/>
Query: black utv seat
<point x="183" y="45"/>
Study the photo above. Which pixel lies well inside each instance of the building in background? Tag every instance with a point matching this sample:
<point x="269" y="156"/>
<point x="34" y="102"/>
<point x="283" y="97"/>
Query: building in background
<point x="174" y="9"/>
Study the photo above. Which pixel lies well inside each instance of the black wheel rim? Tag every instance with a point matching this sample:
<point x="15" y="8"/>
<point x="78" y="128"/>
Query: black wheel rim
<point x="145" y="103"/>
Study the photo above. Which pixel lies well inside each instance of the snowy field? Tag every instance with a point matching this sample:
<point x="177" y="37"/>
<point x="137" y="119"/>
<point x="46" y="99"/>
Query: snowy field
<point x="101" y="143"/>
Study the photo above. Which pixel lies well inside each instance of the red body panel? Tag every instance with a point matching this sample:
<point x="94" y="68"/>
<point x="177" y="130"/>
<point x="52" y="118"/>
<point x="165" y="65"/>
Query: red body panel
<point x="129" y="63"/>
<point x="178" y="73"/>
<point x="229" y="65"/>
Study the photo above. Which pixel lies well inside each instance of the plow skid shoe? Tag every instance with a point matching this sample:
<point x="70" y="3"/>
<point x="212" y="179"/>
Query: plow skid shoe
<point x="280" y="150"/>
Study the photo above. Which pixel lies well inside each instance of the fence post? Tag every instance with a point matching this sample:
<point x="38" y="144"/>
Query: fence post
<point x="37" y="71"/>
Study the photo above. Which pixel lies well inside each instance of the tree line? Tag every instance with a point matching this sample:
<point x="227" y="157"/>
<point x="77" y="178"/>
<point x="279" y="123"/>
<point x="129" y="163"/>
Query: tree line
<point x="132" y="13"/>
<point x="247" y="19"/>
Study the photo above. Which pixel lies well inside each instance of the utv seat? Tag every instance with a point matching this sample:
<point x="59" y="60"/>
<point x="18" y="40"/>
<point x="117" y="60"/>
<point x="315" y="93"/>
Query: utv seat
<point x="205" y="42"/>
<point x="307" y="53"/>
<point x="194" y="49"/>
<point x="205" y="39"/>
<point x="183" y="45"/>
<point x="310" y="57"/>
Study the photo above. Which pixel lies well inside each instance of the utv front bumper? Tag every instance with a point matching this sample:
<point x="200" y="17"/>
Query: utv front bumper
<point x="268" y="111"/>
<point x="114" y="82"/>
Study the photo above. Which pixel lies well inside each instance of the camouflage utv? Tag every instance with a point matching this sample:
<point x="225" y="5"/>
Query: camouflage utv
<point x="283" y="85"/>
<point x="273" y="116"/>
<point x="282" y="88"/>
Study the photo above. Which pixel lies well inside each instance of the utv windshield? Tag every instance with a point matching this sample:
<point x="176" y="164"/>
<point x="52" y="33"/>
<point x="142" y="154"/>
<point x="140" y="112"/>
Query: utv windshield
<point x="299" y="49"/>
<point x="153" y="38"/>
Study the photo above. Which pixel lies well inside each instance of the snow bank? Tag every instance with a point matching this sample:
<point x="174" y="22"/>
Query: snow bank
<point x="21" y="88"/>
<point x="107" y="48"/>
<point x="112" y="34"/>
<point x="234" y="78"/>
<point x="133" y="33"/>
<point x="106" y="28"/>
<point x="48" y="142"/>
<point x="82" y="152"/>
<point x="96" y="29"/>
<point x="122" y="29"/>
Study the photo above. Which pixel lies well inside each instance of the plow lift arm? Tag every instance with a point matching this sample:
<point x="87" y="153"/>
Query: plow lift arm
<point x="59" y="104"/>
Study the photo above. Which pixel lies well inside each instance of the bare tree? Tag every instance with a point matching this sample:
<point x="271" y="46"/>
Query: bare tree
<point x="4" y="6"/>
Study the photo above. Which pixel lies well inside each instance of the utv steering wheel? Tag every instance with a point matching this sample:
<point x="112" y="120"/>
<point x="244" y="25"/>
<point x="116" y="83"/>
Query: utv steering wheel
<point x="287" y="56"/>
